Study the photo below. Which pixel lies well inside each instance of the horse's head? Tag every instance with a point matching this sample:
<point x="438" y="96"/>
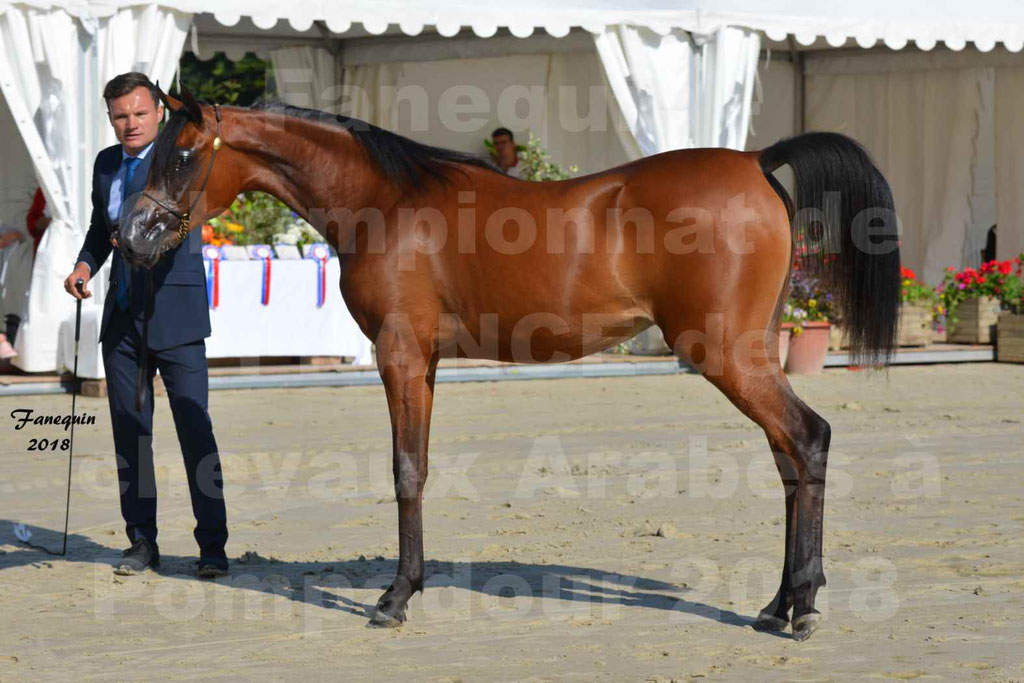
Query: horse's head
<point x="184" y="186"/>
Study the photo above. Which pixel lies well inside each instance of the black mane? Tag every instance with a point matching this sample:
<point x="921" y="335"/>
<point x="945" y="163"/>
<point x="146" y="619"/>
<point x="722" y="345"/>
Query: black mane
<point x="404" y="162"/>
<point x="165" y="144"/>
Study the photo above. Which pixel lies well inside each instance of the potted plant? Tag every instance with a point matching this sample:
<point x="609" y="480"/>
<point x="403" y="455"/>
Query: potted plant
<point x="809" y="310"/>
<point x="916" y="311"/>
<point x="973" y="298"/>
<point x="1010" y="328"/>
<point x="258" y="218"/>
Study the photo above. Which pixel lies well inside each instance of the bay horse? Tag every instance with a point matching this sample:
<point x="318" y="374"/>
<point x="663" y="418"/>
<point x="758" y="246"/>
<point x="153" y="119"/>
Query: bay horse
<point x="443" y="255"/>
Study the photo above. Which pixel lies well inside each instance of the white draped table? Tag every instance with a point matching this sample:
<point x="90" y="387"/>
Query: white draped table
<point x="291" y="324"/>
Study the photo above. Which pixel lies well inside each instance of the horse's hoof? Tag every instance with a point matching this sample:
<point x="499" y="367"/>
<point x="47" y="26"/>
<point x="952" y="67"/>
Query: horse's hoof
<point x="766" y="621"/>
<point x="805" y="625"/>
<point x="385" y="616"/>
<point x="381" y="620"/>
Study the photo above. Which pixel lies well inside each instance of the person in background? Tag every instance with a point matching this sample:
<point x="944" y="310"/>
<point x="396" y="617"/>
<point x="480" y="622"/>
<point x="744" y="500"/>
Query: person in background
<point x="16" y="270"/>
<point x="37" y="219"/>
<point x="179" y="322"/>
<point x="989" y="252"/>
<point x="10" y="240"/>
<point x="505" y="150"/>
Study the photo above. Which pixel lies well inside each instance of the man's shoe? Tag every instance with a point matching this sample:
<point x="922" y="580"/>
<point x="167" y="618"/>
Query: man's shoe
<point x="136" y="559"/>
<point x="212" y="567"/>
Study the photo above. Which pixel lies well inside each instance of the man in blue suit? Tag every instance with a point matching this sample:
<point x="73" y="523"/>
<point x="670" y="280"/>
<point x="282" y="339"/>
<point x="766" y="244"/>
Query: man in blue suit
<point x="178" y="325"/>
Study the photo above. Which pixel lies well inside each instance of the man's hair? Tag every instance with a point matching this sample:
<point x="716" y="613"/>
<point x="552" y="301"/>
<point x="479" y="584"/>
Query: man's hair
<point x="126" y="82"/>
<point x="503" y="131"/>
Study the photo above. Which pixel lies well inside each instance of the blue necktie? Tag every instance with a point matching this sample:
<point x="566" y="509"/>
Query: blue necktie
<point x="123" y="296"/>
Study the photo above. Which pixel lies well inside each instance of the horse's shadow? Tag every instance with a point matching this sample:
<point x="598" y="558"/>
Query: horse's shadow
<point x="330" y="584"/>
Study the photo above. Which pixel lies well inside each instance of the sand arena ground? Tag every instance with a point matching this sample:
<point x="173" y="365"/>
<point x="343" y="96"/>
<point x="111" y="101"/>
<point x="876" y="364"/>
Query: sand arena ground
<point x="579" y="529"/>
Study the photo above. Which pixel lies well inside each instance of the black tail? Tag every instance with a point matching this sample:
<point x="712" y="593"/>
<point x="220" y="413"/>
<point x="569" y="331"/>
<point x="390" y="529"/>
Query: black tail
<point x="845" y="215"/>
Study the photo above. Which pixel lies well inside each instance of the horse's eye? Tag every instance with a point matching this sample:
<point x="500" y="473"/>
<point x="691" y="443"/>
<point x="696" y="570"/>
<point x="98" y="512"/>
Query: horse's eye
<point x="183" y="160"/>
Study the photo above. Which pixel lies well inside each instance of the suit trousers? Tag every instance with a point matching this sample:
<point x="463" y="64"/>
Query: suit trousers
<point x="184" y="372"/>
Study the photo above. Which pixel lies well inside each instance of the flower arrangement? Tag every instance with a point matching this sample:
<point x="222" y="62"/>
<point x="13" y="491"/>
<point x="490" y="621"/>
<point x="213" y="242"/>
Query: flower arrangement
<point x="538" y="164"/>
<point x="258" y="218"/>
<point x="912" y="290"/>
<point x="298" y="233"/>
<point x="1001" y="280"/>
<point x="808" y="302"/>
<point x="221" y="232"/>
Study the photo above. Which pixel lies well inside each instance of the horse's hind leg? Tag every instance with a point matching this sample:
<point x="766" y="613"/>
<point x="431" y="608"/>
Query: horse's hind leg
<point x="799" y="439"/>
<point x="775" y="616"/>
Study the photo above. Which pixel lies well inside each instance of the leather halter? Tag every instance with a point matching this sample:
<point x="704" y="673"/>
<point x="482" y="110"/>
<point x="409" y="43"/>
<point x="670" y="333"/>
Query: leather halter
<point x="184" y="219"/>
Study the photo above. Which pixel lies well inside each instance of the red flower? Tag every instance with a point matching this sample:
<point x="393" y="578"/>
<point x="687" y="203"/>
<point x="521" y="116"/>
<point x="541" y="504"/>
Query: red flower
<point x="907" y="273"/>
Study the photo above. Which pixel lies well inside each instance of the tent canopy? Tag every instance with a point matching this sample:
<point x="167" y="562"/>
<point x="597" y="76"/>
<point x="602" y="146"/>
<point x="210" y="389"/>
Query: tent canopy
<point x="681" y="74"/>
<point x="955" y="23"/>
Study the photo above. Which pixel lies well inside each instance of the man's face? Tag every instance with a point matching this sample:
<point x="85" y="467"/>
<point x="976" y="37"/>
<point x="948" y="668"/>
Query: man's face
<point x="505" y="148"/>
<point x="135" y="118"/>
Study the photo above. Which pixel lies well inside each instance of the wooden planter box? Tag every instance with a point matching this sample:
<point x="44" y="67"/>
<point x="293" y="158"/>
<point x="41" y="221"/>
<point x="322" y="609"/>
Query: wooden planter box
<point x="976" y="321"/>
<point x="1010" y="338"/>
<point x="915" y="325"/>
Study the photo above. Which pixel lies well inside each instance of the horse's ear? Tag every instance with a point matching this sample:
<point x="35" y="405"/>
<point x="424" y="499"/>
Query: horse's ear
<point x="163" y="98"/>
<point x="172" y="104"/>
<point x="191" y="105"/>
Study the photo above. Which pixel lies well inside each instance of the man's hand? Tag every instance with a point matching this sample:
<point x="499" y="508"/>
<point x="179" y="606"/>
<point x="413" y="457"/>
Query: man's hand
<point x="81" y="272"/>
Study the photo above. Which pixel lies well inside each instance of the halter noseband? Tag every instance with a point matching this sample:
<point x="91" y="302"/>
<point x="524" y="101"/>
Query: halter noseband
<point x="185" y="218"/>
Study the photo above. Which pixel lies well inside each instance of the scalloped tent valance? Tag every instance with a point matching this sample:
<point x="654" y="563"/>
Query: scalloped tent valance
<point x="956" y="23"/>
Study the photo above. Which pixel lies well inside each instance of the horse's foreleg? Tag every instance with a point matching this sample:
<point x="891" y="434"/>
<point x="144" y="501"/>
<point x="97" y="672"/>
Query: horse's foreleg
<point x="408" y="374"/>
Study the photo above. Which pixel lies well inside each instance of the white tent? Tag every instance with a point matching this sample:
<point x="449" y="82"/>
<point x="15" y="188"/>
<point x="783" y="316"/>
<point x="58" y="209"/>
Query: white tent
<point x="681" y="74"/>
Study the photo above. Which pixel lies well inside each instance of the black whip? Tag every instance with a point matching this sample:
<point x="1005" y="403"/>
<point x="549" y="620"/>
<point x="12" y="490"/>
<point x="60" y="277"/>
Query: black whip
<point x="23" y="534"/>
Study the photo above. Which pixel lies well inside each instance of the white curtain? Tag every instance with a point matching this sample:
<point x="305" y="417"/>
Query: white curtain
<point x="559" y="97"/>
<point x="307" y="76"/>
<point x="921" y="127"/>
<point x="1009" y="161"/>
<point x="680" y="91"/>
<point x="726" y="88"/>
<point x="52" y="71"/>
<point x="369" y="93"/>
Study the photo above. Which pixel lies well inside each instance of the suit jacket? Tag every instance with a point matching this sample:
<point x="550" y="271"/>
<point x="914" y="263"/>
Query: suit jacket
<point x="180" y="312"/>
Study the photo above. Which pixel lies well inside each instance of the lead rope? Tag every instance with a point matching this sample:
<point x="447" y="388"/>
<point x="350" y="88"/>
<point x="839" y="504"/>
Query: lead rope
<point x="141" y="380"/>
